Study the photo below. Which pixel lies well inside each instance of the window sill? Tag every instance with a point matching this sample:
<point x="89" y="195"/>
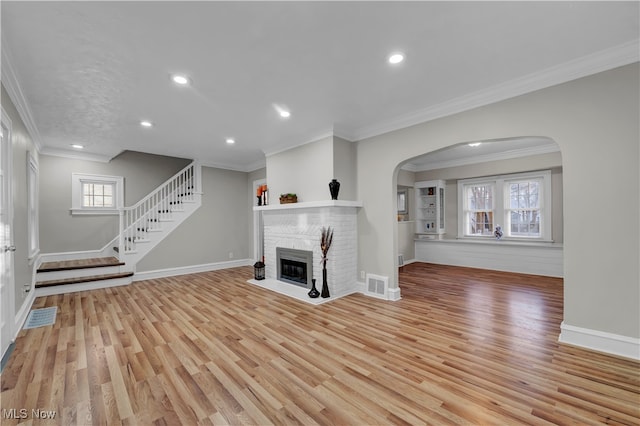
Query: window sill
<point x="95" y="212"/>
<point x="493" y="241"/>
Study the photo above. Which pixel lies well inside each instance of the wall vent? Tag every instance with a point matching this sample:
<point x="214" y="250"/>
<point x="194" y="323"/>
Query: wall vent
<point x="377" y="286"/>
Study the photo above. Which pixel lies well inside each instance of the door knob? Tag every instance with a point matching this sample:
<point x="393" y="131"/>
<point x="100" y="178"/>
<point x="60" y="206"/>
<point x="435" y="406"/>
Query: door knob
<point x="9" y="248"/>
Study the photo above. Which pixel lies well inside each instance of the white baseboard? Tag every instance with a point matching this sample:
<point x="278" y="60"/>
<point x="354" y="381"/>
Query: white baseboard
<point x="23" y="313"/>
<point x="600" y="341"/>
<point x="193" y="269"/>
<point x="393" y="294"/>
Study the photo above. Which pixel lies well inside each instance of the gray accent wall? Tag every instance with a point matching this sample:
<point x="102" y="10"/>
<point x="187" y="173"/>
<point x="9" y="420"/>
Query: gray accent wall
<point x="60" y="231"/>
<point x="216" y="232"/>
<point x="22" y="144"/>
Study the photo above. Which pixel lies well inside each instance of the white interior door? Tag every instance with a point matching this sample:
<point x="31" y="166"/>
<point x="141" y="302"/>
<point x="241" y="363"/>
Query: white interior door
<point x="6" y="239"/>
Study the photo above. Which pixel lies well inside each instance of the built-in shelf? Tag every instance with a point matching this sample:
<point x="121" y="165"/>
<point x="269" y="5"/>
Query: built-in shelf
<point x="309" y="205"/>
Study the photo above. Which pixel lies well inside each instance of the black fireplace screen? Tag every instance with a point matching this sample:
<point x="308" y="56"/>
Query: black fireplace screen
<point x="295" y="266"/>
<point x="293" y="271"/>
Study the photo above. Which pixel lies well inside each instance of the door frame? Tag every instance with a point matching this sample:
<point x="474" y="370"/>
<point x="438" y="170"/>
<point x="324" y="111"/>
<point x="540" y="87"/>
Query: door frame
<point x="7" y="309"/>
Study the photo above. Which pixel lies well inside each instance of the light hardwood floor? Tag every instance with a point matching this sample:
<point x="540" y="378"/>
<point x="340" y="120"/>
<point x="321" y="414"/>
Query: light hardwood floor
<point x="463" y="346"/>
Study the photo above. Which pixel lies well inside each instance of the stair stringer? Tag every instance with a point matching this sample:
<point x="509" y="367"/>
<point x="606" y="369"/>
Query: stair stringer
<point x="150" y="239"/>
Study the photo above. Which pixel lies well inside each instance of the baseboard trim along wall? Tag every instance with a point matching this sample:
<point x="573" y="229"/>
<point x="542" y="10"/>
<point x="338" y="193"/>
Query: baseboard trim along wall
<point x="23" y="313"/>
<point x="600" y="341"/>
<point x="193" y="269"/>
<point x="525" y="258"/>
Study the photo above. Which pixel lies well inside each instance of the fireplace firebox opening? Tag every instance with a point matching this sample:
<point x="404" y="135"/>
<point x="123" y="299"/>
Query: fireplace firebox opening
<point x="294" y="266"/>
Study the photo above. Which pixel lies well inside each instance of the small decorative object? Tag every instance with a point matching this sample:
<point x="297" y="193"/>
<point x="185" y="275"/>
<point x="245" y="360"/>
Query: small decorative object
<point x="288" y="198"/>
<point x="498" y="232"/>
<point x="313" y="293"/>
<point x="258" y="270"/>
<point x="262" y="193"/>
<point x="334" y="188"/>
<point x="259" y="195"/>
<point x="325" y="244"/>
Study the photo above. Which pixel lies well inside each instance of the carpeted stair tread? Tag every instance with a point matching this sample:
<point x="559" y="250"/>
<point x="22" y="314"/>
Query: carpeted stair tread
<point x="78" y="280"/>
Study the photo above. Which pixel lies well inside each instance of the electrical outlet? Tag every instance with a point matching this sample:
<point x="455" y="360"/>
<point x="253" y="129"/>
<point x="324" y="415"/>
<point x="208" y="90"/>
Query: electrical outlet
<point x="362" y="275"/>
<point x="230" y="255"/>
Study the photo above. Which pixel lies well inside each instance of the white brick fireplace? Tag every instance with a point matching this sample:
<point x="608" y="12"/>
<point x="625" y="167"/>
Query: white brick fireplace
<point x="299" y="226"/>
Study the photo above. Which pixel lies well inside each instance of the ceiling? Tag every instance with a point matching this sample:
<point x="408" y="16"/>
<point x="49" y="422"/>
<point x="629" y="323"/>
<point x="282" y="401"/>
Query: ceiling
<point x="88" y="72"/>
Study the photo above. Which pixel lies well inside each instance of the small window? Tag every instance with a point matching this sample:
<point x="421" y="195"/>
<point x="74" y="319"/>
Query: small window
<point x="96" y="194"/>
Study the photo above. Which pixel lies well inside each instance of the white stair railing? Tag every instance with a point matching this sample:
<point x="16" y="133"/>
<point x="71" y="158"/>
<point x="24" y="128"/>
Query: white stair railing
<point x="147" y="214"/>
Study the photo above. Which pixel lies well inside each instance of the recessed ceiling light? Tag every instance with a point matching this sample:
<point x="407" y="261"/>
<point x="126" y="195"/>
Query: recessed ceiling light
<point x="284" y="113"/>
<point x="396" y="58"/>
<point x="474" y="144"/>
<point x="230" y="141"/>
<point x="77" y="146"/>
<point x="146" y="123"/>
<point x="180" y="79"/>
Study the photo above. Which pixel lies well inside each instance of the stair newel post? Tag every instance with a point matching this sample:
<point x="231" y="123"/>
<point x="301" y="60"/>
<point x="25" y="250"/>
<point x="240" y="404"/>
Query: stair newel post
<point x="121" y="235"/>
<point x="198" y="178"/>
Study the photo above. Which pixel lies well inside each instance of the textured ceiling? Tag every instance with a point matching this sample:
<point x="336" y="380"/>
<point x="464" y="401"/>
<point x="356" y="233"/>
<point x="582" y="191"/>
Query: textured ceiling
<point x="88" y="72"/>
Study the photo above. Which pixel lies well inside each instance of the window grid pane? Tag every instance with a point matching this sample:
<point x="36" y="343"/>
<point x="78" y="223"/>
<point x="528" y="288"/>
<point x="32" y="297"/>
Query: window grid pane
<point x="524" y="209"/>
<point x="97" y="195"/>
<point x="480" y="208"/>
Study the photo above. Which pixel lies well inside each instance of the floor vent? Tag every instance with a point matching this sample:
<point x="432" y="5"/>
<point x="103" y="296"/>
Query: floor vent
<point x="377" y="285"/>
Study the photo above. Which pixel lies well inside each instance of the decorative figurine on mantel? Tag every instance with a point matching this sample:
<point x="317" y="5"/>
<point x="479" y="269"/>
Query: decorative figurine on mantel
<point x="498" y="232"/>
<point x="262" y="193"/>
<point x="334" y="188"/>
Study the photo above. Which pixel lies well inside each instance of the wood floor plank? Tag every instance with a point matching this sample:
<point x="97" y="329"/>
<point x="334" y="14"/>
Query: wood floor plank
<point x="462" y="346"/>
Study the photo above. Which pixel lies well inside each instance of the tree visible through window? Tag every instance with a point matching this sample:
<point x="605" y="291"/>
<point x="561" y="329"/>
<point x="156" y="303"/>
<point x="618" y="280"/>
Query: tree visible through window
<point x="519" y="203"/>
<point x="479" y="210"/>
<point x="524" y="208"/>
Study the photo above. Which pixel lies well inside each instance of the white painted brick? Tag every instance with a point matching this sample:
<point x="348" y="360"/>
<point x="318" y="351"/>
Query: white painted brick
<point x="301" y="229"/>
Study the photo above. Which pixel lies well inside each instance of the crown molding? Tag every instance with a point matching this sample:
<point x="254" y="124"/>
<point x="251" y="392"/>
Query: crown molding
<point x="77" y="155"/>
<point x="604" y="60"/>
<point x="484" y="158"/>
<point x="14" y="90"/>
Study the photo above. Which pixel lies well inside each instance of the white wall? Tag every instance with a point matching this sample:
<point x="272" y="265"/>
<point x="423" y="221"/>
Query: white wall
<point x="594" y="120"/>
<point x="305" y="171"/>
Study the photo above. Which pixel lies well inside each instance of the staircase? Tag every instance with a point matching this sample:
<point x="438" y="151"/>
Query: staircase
<point x="142" y="227"/>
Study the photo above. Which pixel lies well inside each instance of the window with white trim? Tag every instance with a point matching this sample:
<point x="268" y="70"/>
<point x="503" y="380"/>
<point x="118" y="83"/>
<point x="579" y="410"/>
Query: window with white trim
<point x="33" y="230"/>
<point x="519" y="203"/>
<point x="96" y="194"/>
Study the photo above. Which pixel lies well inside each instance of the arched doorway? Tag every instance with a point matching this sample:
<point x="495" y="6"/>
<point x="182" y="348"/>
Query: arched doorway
<point x="464" y="242"/>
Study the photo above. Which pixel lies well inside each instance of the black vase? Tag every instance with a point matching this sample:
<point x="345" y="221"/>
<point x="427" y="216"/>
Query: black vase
<point x="313" y="293"/>
<point x="325" y="287"/>
<point x="334" y="188"/>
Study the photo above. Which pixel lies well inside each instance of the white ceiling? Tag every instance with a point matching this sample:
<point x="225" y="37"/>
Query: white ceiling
<point x="88" y="72"/>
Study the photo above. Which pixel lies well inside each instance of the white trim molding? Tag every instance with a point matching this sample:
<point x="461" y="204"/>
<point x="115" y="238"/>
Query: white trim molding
<point x="617" y="56"/>
<point x="600" y="341"/>
<point x="193" y="269"/>
<point x="77" y="179"/>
